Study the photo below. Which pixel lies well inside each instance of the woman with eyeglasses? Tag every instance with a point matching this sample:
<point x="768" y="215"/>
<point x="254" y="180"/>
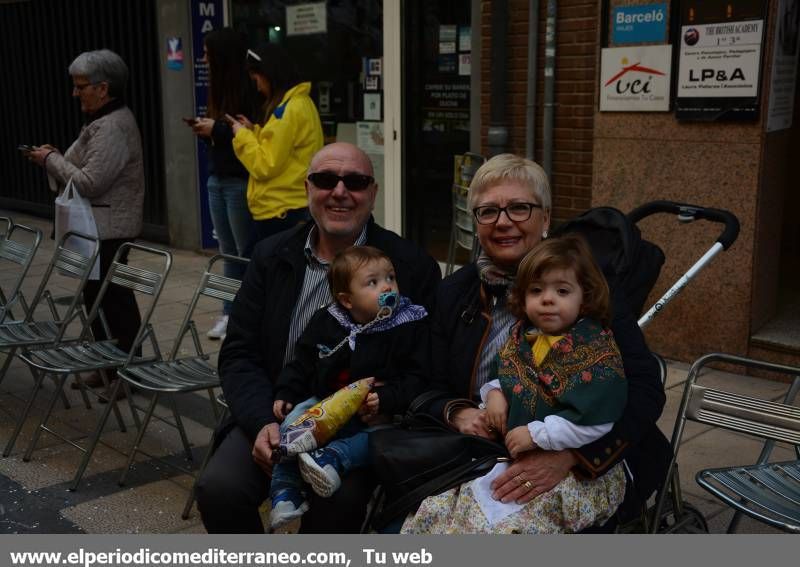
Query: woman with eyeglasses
<point x="278" y="150"/>
<point x="231" y="92"/>
<point x="105" y="164"/>
<point x="510" y="200"/>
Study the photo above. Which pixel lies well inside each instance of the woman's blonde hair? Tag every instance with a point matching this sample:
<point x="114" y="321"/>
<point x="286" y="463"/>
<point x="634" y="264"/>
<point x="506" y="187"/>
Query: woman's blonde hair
<point x="565" y="252"/>
<point x="508" y="167"/>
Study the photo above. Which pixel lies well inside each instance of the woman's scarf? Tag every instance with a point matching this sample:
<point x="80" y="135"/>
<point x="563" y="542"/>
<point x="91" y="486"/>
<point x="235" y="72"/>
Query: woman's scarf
<point x="496" y="279"/>
<point x="107" y="108"/>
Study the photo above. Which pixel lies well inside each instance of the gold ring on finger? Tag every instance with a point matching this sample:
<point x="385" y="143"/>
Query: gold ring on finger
<point x="528" y="485"/>
<point x="519" y="478"/>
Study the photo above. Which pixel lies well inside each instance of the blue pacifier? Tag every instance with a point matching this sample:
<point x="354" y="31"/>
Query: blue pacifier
<point x="387" y="301"/>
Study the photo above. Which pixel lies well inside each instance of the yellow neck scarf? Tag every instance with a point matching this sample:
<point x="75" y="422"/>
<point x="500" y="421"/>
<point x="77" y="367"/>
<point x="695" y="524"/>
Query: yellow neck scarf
<point x="541" y="344"/>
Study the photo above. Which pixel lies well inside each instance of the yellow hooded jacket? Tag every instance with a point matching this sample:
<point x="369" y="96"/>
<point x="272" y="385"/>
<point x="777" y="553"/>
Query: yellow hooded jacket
<point x="277" y="155"/>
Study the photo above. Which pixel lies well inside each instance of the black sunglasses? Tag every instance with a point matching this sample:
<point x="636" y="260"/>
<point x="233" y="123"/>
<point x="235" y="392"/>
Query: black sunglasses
<point x="352" y="181"/>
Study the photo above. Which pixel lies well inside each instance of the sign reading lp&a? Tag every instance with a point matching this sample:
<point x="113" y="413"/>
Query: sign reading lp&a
<point x="635" y="79"/>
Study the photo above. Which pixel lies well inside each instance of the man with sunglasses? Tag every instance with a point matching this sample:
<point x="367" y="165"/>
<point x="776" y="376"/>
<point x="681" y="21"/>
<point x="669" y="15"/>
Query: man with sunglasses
<point x="285" y="283"/>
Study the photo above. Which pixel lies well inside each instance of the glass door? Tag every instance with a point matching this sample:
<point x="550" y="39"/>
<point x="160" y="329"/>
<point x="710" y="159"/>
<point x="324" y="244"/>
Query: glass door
<point x="339" y="46"/>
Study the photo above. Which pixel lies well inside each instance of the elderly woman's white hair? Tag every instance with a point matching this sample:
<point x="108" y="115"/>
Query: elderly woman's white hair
<point x="508" y="167"/>
<point x="102" y="66"/>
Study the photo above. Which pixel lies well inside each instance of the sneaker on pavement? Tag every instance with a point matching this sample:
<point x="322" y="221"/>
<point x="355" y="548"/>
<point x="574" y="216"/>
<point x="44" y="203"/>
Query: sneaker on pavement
<point x="287" y="505"/>
<point x="217" y="331"/>
<point x="322" y="470"/>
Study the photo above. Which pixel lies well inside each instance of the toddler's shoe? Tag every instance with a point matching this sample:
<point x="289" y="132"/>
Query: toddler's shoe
<point x="287" y="505"/>
<point x="321" y="469"/>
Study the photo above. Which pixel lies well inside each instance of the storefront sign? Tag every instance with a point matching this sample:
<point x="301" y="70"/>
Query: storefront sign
<point x="206" y="16"/>
<point x="639" y="24"/>
<point x="369" y="137"/>
<point x="719" y="60"/>
<point x="306" y="19"/>
<point x="784" y="66"/>
<point x="635" y="79"/>
<point x="446" y="106"/>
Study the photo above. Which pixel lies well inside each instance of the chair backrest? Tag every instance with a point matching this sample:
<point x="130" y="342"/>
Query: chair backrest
<point x="5" y="225"/>
<point x="70" y="260"/>
<point x="736" y="412"/>
<point x="18" y="247"/>
<point x="140" y="279"/>
<point x="214" y="286"/>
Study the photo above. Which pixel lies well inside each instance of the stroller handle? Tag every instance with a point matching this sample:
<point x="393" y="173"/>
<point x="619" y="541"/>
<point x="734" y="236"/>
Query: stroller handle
<point x="691" y="213"/>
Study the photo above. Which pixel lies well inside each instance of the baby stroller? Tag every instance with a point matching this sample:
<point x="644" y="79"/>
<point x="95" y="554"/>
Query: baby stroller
<point x="632" y="266"/>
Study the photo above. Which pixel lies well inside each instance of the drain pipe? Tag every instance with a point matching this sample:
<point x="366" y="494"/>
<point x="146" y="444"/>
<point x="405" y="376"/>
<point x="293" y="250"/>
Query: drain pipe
<point x="497" y="137"/>
<point x="530" y="102"/>
<point x="549" y="85"/>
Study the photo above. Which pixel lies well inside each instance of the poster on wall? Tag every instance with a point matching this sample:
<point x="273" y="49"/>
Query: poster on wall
<point x="207" y="15"/>
<point x="719" y="63"/>
<point x="784" y="66"/>
<point x="306" y="19"/>
<point x="635" y="79"/>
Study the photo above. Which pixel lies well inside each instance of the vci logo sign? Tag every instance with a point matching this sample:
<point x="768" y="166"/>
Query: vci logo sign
<point x="632" y="79"/>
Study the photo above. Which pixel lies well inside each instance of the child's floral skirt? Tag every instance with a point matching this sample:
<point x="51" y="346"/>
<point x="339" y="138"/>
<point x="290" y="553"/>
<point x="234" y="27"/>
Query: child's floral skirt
<point x="571" y="506"/>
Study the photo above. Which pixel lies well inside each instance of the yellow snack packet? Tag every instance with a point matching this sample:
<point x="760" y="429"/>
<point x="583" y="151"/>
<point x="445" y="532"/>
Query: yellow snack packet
<point x="319" y="423"/>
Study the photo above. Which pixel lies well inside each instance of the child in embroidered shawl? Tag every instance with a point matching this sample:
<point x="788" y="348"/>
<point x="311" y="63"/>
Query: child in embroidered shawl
<point x="560" y="384"/>
<point x="345" y="342"/>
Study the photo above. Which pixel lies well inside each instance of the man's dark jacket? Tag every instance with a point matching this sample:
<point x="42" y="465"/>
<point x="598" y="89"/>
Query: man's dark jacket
<point x="398" y="357"/>
<point x="457" y="330"/>
<point x="252" y="355"/>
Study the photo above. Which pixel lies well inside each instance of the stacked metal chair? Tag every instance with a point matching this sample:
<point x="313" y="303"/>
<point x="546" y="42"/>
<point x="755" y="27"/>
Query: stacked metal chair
<point x="92" y="355"/>
<point x="462" y="232"/>
<point x="768" y="492"/>
<point x="18" y="247"/>
<point x="44" y="326"/>
<point x="182" y="374"/>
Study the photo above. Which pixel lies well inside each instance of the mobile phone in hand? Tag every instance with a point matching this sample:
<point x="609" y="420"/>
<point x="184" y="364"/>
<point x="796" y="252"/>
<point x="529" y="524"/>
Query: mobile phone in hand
<point x="190" y="121"/>
<point x="25" y="148"/>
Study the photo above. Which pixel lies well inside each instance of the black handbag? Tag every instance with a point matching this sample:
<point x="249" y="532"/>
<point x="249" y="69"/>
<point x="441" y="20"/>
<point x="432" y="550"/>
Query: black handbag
<point x="422" y="457"/>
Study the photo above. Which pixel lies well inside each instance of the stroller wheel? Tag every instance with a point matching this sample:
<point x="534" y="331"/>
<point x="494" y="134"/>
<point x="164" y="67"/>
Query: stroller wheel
<point x="691" y="521"/>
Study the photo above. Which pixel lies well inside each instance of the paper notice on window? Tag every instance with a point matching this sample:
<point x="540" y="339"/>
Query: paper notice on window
<point x="306" y="19"/>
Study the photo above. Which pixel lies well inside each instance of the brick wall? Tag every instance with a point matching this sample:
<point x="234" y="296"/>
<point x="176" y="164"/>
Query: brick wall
<point x="576" y="56"/>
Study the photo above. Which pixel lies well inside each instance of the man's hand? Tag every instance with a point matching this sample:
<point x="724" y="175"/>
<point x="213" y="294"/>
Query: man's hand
<point x="496" y="412"/>
<point x="281" y="409"/>
<point x="266" y="443"/>
<point x="519" y="440"/>
<point x="532" y="474"/>
<point x="471" y="421"/>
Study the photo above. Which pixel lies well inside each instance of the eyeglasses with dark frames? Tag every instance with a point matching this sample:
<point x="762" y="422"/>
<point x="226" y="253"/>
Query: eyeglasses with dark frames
<point x="352" y="181"/>
<point x="517" y="212"/>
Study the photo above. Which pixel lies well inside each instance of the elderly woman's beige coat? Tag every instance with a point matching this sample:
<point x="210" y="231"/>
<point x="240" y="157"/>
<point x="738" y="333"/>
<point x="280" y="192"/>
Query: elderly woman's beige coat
<point x="105" y="164"/>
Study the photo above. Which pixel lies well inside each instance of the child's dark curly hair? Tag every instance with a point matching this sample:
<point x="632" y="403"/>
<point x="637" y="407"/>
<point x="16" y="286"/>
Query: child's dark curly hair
<point x="565" y="252"/>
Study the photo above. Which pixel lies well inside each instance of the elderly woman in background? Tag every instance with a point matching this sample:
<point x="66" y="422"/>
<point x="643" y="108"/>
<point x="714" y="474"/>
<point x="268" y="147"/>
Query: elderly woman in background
<point x="510" y="197"/>
<point x="105" y="164"/>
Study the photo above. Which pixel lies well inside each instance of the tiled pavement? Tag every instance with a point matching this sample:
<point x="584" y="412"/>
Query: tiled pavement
<point x="34" y="496"/>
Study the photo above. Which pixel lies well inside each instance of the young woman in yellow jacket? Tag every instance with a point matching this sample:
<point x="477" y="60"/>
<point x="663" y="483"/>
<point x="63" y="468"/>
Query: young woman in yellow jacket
<point x="277" y="154"/>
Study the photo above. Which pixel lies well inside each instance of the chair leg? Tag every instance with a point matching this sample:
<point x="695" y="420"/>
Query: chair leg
<point x="96" y="436"/>
<point x="181" y="431"/>
<point x="129" y="395"/>
<point x="113" y="401"/>
<point x="215" y="407"/>
<point x="138" y="441"/>
<point x="24" y="416"/>
<point x="7" y="362"/>
<point x="60" y="381"/>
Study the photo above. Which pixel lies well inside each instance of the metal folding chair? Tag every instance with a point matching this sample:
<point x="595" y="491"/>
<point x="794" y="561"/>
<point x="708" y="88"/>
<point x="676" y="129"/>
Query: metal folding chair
<point x="103" y="355"/>
<point x="462" y="232"/>
<point x="18" y="247"/>
<point x="178" y="375"/>
<point x="769" y="492"/>
<point x="46" y="327"/>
